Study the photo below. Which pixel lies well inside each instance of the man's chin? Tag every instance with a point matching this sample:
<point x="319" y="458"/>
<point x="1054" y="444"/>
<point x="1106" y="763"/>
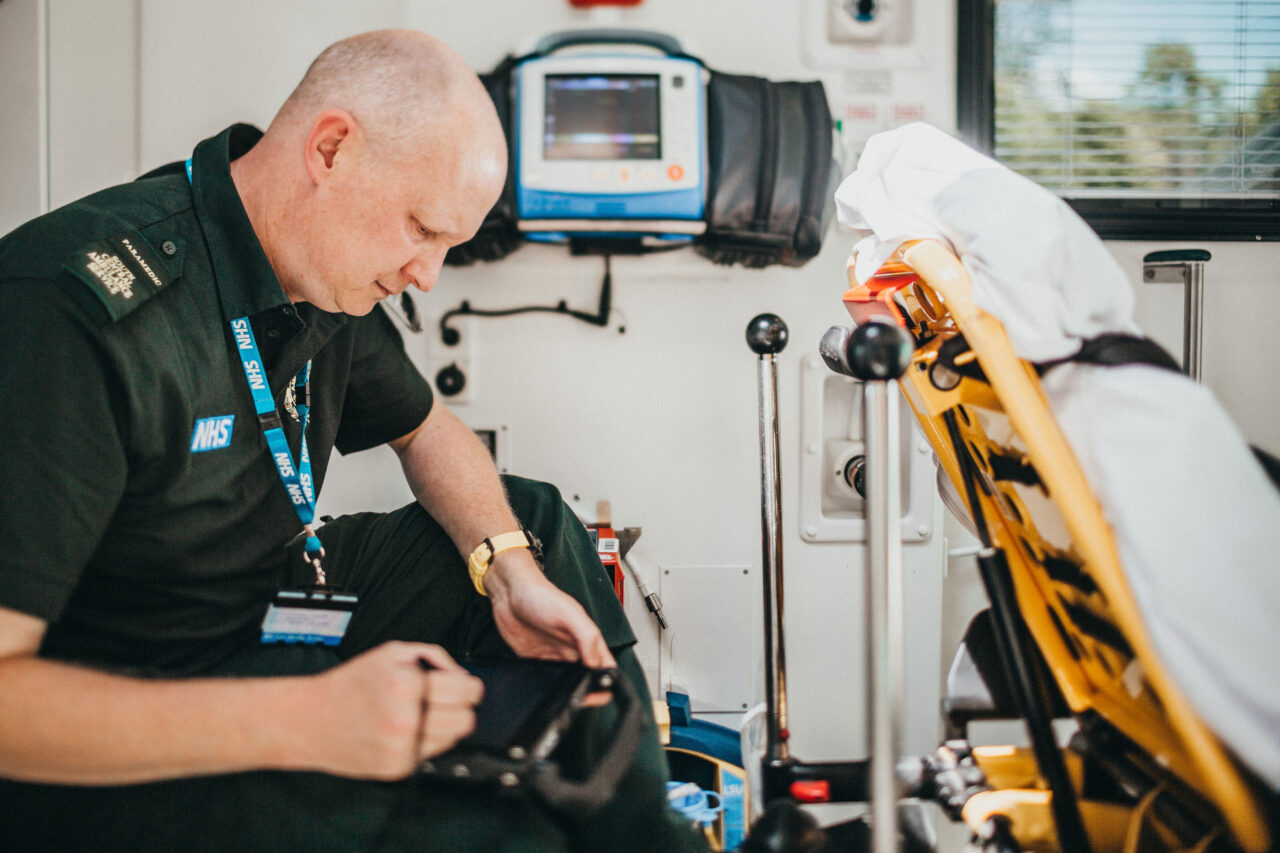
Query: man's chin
<point x="358" y="309"/>
<point x="358" y="303"/>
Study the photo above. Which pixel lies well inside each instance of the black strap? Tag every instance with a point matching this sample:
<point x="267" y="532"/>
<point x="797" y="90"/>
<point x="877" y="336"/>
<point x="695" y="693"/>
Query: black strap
<point x="1066" y="570"/>
<point x="1115" y="349"/>
<point x="955" y="347"/>
<point x="589" y="795"/>
<point x="1269" y="463"/>
<point x="1012" y="469"/>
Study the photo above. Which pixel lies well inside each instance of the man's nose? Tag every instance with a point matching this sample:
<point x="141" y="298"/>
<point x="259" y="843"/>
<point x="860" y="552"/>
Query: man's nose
<point x="424" y="267"/>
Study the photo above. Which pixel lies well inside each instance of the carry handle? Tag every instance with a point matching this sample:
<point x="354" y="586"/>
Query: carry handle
<point x="608" y="35"/>
<point x="588" y="795"/>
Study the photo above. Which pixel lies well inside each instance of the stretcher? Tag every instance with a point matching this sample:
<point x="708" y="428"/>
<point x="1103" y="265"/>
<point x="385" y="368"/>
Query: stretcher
<point x="1144" y="771"/>
<point x="1126" y="533"/>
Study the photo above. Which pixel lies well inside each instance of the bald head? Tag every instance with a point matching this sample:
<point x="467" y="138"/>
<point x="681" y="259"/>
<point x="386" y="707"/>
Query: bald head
<point x="388" y="153"/>
<point x="400" y="85"/>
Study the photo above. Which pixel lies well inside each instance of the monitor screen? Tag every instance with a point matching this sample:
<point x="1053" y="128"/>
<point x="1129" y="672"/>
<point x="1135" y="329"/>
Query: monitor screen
<point x="602" y="117"/>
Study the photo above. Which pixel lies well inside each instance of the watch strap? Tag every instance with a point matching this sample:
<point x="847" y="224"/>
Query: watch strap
<point x="481" y="558"/>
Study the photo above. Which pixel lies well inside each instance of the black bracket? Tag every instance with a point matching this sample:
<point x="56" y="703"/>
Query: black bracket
<point x="451" y="336"/>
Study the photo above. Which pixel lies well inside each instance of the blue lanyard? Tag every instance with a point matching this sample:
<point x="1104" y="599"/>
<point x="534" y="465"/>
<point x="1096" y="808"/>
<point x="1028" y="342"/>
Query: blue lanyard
<point x="296" y="478"/>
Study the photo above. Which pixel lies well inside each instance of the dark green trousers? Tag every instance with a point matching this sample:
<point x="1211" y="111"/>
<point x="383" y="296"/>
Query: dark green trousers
<point x="413" y="585"/>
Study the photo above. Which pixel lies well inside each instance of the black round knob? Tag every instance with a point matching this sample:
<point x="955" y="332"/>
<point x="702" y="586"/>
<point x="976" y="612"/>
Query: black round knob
<point x="879" y="350"/>
<point x="766" y="334"/>
<point x="855" y="474"/>
<point x="451" y="380"/>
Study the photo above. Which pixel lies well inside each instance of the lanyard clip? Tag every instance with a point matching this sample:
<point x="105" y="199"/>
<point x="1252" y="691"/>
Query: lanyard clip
<point x="313" y="552"/>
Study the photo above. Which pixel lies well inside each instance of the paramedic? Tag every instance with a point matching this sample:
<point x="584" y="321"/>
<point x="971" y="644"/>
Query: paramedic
<point x="147" y="528"/>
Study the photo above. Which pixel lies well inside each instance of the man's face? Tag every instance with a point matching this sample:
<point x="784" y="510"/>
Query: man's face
<point x="385" y="224"/>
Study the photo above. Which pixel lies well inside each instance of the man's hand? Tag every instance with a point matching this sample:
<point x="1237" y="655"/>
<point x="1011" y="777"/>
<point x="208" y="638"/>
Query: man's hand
<point x="380" y="714"/>
<point x="452" y="476"/>
<point x="539" y="620"/>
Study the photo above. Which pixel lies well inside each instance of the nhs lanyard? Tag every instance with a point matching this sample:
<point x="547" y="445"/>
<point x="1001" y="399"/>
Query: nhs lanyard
<point x="296" y="478"/>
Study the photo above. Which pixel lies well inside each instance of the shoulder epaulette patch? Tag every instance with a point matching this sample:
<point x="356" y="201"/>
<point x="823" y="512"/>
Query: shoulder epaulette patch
<point x="123" y="271"/>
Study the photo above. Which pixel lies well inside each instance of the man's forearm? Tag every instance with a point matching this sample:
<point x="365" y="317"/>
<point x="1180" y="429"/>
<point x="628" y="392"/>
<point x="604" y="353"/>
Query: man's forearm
<point x="66" y="724"/>
<point x="453" y="477"/>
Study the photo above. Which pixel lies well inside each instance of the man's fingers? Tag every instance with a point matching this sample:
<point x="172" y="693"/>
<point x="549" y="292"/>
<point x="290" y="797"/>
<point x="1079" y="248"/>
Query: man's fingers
<point x="596" y="700"/>
<point x="449" y="699"/>
<point x="443" y="687"/>
<point x="443" y="726"/>
<point x="593" y="651"/>
<point x="432" y="657"/>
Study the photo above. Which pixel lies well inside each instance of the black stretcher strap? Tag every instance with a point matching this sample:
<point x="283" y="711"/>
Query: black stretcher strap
<point x="1116" y="349"/>
<point x="1015" y="644"/>
<point x="1269" y="463"/>
<point x="1012" y="469"/>
<point x="1113" y="349"/>
<point x="1070" y="573"/>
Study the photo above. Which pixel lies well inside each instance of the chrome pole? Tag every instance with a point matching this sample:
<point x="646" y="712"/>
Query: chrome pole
<point x="878" y="352"/>
<point x="767" y="336"/>
<point x="1185" y="267"/>
<point x="1193" y="319"/>
<point x="883" y="596"/>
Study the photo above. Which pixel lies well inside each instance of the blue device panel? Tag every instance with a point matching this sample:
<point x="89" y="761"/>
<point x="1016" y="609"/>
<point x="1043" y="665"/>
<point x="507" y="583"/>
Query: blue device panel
<point x="609" y="144"/>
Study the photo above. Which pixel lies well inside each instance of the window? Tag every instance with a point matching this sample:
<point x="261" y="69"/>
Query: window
<point x="1155" y="119"/>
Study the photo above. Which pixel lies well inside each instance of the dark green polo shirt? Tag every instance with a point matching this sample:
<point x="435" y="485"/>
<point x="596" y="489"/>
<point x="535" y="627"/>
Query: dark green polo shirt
<point x="144" y="541"/>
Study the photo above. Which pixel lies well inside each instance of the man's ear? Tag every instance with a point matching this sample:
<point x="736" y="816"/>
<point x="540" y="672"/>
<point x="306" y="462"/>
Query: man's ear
<point x="333" y="133"/>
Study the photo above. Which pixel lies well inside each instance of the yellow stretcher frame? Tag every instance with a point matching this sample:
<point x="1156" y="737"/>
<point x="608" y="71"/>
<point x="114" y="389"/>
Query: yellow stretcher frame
<point x="1137" y="696"/>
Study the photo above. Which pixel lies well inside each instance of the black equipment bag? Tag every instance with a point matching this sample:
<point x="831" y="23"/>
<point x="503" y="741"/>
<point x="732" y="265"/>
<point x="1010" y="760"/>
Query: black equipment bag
<point x="770" y="171"/>
<point x="771" y="174"/>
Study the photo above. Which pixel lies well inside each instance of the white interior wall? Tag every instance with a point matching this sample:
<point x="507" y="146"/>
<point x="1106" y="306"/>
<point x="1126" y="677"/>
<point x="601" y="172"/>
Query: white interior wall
<point x="1240" y="352"/>
<point x="24" y="166"/>
<point x="659" y="419"/>
<point x="93" y="96"/>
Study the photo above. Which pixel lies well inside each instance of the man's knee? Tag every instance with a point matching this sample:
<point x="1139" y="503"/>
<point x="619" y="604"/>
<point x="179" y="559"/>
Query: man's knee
<point x="535" y="503"/>
<point x="571" y="560"/>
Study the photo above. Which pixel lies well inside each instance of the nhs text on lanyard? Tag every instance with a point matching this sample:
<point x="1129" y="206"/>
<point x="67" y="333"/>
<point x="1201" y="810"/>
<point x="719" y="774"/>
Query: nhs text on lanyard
<point x="296" y="478"/>
<point x="316" y="614"/>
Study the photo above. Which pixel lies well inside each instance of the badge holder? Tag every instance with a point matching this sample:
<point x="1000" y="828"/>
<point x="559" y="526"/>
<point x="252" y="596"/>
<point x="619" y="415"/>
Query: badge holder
<point x="313" y="615"/>
<point x="527" y="706"/>
<point x="316" y="615"/>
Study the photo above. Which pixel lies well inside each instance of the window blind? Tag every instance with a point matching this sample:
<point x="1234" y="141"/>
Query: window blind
<point x="1140" y="98"/>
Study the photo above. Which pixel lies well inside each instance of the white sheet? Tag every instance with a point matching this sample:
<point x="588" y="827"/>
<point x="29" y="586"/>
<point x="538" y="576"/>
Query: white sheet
<point x="1195" y="518"/>
<point x="917" y="182"/>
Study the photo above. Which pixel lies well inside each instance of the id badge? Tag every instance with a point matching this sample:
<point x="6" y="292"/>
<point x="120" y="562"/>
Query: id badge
<point x="312" y="616"/>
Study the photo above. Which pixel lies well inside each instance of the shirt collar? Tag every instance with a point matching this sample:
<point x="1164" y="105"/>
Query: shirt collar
<point x="246" y="283"/>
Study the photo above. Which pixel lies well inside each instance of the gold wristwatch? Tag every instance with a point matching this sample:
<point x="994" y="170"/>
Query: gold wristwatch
<point x="482" y="557"/>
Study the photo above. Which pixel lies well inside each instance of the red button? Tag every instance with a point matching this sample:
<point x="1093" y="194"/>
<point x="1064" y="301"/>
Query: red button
<point x="811" y="792"/>
<point x="675" y="171"/>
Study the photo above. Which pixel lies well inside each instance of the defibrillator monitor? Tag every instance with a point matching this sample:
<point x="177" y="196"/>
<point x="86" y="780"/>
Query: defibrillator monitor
<point x="609" y="144"/>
